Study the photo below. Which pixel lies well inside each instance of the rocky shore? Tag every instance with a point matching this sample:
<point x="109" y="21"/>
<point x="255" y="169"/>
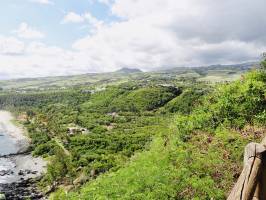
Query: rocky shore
<point x="19" y="171"/>
<point x="25" y="189"/>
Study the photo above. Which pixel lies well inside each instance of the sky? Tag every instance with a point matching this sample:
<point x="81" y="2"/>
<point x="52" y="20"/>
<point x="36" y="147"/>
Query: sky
<point x="64" y="37"/>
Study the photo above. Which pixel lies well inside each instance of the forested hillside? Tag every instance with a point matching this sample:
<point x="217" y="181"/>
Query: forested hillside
<point x="143" y="139"/>
<point x="199" y="156"/>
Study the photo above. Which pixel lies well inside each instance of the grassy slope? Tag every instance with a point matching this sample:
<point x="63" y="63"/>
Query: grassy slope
<point x="198" y="157"/>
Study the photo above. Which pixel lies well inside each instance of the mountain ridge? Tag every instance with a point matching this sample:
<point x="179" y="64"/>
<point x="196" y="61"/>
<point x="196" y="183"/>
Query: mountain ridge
<point x="204" y="73"/>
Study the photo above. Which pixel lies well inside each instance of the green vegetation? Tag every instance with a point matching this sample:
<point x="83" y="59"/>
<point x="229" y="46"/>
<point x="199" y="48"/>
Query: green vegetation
<point x="144" y="139"/>
<point x="107" y="133"/>
<point x="144" y="99"/>
<point x="202" y="158"/>
<point x="215" y="73"/>
<point x="187" y="101"/>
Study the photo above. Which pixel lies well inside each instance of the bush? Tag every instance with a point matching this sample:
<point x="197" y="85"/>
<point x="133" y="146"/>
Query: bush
<point x="46" y="149"/>
<point x="144" y="99"/>
<point x="186" y="102"/>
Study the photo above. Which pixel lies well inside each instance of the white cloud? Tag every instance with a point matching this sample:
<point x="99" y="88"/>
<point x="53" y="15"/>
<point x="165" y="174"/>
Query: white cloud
<point x="157" y="33"/>
<point x="152" y="34"/>
<point x="46" y="2"/>
<point x="106" y="2"/>
<point x="27" y="32"/>
<point x="93" y="21"/>
<point x="38" y="59"/>
<point x="72" y="17"/>
<point x="88" y="18"/>
<point x="11" y="45"/>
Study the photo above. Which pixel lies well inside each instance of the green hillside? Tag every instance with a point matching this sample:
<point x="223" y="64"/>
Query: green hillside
<point x="143" y="139"/>
<point x="199" y="156"/>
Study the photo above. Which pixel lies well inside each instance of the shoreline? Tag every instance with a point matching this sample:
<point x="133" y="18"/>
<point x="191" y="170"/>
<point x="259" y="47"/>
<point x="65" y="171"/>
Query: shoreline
<point x="14" y="133"/>
<point x="6" y="119"/>
<point x="18" y="168"/>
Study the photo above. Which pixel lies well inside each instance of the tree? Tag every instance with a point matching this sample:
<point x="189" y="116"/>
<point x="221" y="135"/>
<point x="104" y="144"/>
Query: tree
<point x="60" y="165"/>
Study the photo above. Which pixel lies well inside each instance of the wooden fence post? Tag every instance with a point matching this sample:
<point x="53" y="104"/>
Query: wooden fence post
<point x="251" y="183"/>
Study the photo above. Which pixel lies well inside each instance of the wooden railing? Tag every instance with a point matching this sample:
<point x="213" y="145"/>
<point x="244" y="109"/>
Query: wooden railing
<point x="251" y="184"/>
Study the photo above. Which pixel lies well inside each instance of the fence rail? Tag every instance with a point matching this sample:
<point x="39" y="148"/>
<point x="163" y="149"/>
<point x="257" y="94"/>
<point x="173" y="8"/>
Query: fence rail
<point x="251" y="184"/>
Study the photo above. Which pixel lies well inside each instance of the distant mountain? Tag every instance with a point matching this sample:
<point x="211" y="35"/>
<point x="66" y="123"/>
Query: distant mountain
<point x="128" y="70"/>
<point x="240" y="67"/>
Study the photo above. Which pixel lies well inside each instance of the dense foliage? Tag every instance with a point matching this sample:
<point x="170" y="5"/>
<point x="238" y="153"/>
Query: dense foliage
<point x="145" y="99"/>
<point x="92" y="130"/>
<point x="187" y="101"/>
<point x="144" y="141"/>
<point x="199" y="156"/>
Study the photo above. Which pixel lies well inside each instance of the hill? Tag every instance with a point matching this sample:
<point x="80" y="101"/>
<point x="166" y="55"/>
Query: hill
<point x="199" y="159"/>
<point x="128" y="70"/>
<point x="156" y="135"/>
<point x="215" y="73"/>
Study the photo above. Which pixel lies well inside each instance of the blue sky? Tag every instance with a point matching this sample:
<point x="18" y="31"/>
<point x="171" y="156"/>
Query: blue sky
<point x="47" y="18"/>
<point x="65" y="37"/>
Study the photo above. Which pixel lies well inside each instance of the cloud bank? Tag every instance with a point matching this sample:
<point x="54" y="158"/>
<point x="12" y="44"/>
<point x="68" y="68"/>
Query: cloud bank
<point x="149" y="34"/>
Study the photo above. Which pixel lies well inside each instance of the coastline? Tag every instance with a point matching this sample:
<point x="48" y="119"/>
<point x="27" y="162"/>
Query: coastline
<point x="12" y="130"/>
<point x="15" y="133"/>
<point x="18" y="169"/>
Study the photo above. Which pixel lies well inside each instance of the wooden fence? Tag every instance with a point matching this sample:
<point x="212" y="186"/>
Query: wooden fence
<point x="251" y="184"/>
